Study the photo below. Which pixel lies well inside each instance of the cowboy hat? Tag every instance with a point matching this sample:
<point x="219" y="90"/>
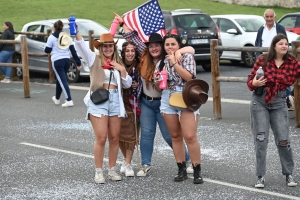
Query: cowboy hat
<point x="195" y="93"/>
<point x="154" y="37"/>
<point x="105" y="38"/>
<point x="64" y="40"/>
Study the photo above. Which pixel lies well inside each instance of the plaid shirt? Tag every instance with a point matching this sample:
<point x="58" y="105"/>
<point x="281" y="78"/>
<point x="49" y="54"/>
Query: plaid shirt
<point x="134" y="37"/>
<point x="188" y="62"/>
<point x="277" y="78"/>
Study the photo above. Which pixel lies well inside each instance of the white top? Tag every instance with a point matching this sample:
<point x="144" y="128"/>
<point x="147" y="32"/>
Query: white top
<point x="57" y="53"/>
<point x="90" y="56"/>
<point x="268" y="35"/>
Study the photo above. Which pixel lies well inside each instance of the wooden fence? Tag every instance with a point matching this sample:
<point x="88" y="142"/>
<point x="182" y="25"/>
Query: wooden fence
<point x="216" y="78"/>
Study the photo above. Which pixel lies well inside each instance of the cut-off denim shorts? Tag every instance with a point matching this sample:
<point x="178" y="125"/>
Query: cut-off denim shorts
<point x="166" y="108"/>
<point x="108" y="108"/>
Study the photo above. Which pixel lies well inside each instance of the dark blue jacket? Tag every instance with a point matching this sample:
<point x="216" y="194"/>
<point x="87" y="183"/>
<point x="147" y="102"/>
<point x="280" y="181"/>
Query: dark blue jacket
<point x="258" y="41"/>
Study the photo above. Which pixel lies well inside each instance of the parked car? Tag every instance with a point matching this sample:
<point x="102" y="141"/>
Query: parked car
<point x="196" y="29"/>
<point x="36" y="44"/>
<point x="241" y="31"/>
<point x="291" y="22"/>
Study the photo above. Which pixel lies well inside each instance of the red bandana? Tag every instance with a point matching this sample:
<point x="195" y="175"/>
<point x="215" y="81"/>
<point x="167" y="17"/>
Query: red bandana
<point x="107" y="65"/>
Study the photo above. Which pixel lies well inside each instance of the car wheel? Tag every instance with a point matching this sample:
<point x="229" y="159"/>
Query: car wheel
<point x="206" y="66"/>
<point x="235" y="61"/>
<point x="73" y="73"/>
<point x="19" y="71"/>
<point x="248" y="58"/>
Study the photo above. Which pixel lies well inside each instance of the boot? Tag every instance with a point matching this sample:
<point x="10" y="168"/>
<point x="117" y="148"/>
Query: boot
<point x="182" y="175"/>
<point x="197" y="174"/>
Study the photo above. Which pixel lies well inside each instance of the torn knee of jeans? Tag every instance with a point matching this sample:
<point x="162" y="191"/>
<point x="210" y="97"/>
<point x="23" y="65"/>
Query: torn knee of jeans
<point x="260" y="136"/>
<point x="283" y="143"/>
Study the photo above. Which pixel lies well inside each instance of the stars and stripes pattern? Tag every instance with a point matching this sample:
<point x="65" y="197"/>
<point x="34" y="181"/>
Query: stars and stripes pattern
<point x="146" y="19"/>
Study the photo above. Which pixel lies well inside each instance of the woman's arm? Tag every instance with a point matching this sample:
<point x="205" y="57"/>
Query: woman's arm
<point x="179" y="52"/>
<point x="87" y="54"/>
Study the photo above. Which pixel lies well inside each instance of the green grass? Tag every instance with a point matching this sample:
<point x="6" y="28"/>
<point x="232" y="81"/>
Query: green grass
<point x="20" y="12"/>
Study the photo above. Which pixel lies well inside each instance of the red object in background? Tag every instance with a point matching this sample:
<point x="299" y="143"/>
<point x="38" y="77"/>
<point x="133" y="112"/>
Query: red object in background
<point x="174" y="31"/>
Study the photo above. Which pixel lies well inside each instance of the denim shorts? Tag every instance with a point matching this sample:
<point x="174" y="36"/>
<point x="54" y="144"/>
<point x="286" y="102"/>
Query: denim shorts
<point x="108" y="108"/>
<point x="166" y="108"/>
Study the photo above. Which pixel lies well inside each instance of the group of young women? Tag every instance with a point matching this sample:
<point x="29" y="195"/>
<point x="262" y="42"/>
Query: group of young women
<point x="134" y="77"/>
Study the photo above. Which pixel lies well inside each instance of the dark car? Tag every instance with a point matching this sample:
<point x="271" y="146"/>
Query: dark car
<point x="291" y="22"/>
<point x="196" y="29"/>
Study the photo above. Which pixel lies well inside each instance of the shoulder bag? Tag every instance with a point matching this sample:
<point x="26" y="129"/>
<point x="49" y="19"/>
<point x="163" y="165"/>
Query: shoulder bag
<point x="101" y="95"/>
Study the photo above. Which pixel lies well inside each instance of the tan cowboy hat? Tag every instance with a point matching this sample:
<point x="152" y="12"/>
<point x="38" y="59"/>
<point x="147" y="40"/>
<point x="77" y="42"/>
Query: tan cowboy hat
<point x="64" y="40"/>
<point x="195" y="93"/>
<point x="105" y="38"/>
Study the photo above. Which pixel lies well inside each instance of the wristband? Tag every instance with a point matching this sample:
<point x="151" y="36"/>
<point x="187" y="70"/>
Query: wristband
<point x="121" y="24"/>
<point x="173" y="64"/>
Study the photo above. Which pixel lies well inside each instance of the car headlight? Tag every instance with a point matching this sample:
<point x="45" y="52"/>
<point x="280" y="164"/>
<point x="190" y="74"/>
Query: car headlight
<point x="183" y="41"/>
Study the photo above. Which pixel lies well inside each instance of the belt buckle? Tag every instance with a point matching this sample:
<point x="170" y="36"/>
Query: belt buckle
<point x="151" y="99"/>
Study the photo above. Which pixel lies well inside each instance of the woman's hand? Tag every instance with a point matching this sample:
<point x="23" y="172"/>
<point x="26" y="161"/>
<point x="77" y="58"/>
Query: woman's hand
<point x="171" y="58"/>
<point x="116" y="65"/>
<point x="260" y="82"/>
<point x="134" y="85"/>
<point x="178" y="57"/>
<point x="118" y="18"/>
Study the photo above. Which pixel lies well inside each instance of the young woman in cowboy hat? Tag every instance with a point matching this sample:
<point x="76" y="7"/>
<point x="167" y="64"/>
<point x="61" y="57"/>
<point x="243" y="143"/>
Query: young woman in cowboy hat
<point x="181" y="122"/>
<point x="59" y="46"/>
<point x="150" y="55"/>
<point x="106" y="71"/>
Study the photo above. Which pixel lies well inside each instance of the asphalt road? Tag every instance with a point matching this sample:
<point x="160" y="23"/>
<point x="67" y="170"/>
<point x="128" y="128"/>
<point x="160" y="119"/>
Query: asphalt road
<point x="46" y="151"/>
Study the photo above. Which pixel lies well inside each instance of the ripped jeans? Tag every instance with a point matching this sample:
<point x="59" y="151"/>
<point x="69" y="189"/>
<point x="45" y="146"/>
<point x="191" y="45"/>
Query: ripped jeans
<point x="275" y="115"/>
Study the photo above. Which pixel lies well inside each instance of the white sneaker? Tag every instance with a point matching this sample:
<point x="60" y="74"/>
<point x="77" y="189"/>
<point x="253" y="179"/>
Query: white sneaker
<point x="99" y="178"/>
<point x="56" y="102"/>
<point x="6" y="80"/>
<point x="113" y="175"/>
<point x="144" y="171"/>
<point x="67" y="104"/>
<point x="189" y="167"/>
<point x="129" y="171"/>
<point x="123" y="168"/>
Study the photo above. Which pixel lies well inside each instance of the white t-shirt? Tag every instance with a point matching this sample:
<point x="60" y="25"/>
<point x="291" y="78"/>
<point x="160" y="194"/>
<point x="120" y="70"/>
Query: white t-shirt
<point x="268" y="35"/>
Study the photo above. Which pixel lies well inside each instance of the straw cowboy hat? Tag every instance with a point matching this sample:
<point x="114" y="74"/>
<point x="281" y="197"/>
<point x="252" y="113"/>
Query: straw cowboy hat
<point x="64" y="40"/>
<point x="195" y="93"/>
<point x="154" y="37"/>
<point x="105" y="38"/>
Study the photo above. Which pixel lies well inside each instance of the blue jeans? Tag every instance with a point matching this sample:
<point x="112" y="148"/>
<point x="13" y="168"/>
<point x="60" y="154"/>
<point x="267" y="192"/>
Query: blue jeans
<point x="6" y="57"/>
<point x="60" y="68"/>
<point x="150" y="115"/>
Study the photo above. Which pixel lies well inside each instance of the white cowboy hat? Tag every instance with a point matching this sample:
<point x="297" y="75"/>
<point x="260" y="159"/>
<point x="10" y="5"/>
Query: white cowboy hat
<point x="64" y="40"/>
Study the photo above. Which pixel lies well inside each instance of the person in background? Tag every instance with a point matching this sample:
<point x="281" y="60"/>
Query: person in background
<point x="7" y="50"/>
<point x="151" y="55"/>
<point x="106" y="71"/>
<point x="59" y="46"/>
<point x="182" y="123"/>
<point x="130" y="126"/>
<point x="281" y="70"/>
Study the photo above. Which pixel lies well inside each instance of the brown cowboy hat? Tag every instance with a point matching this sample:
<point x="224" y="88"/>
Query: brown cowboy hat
<point x="195" y="94"/>
<point x="105" y="38"/>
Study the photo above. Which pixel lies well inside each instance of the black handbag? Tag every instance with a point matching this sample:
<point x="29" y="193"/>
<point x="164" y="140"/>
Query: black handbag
<point x="101" y="95"/>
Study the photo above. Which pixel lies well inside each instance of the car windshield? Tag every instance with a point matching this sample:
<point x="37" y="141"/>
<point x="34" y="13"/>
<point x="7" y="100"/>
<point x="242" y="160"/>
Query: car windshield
<point x="193" y="21"/>
<point x="85" y="26"/>
<point x="251" y="24"/>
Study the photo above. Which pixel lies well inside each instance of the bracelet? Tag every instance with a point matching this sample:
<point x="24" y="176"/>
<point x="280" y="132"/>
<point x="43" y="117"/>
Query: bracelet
<point x="121" y="24"/>
<point x="173" y="64"/>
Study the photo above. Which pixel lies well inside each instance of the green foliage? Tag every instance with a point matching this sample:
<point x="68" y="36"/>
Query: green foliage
<point x="24" y="11"/>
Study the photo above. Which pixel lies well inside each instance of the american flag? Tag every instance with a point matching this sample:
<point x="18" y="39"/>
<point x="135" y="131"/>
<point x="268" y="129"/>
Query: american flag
<point x="134" y="105"/>
<point x="146" y="19"/>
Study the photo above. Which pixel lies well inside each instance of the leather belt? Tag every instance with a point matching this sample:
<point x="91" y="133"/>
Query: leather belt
<point x="150" y="98"/>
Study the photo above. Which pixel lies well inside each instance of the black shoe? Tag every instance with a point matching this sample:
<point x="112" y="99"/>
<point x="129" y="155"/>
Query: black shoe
<point x="197" y="174"/>
<point x="182" y="175"/>
<point x="260" y="183"/>
<point x="290" y="181"/>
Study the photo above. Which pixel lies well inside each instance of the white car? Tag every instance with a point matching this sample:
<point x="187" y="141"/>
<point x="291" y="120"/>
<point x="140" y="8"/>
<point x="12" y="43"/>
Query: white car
<point x="36" y="44"/>
<point x="241" y="31"/>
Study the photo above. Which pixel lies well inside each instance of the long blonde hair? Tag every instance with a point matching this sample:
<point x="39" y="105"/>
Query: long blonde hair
<point x="115" y="56"/>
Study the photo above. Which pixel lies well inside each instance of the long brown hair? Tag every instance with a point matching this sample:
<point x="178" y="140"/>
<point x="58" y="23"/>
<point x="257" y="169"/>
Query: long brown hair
<point x="272" y="53"/>
<point x="10" y="26"/>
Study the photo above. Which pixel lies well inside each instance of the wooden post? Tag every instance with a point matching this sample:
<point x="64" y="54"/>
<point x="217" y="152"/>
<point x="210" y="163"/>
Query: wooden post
<point x="91" y="39"/>
<point x="296" y="53"/>
<point x="51" y="74"/>
<point x="25" y="68"/>
<point x="215" y="72"/>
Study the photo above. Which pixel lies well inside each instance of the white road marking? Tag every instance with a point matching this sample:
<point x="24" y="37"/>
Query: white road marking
<point x="231" y="101"/>
<point x="206" y="180"/>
